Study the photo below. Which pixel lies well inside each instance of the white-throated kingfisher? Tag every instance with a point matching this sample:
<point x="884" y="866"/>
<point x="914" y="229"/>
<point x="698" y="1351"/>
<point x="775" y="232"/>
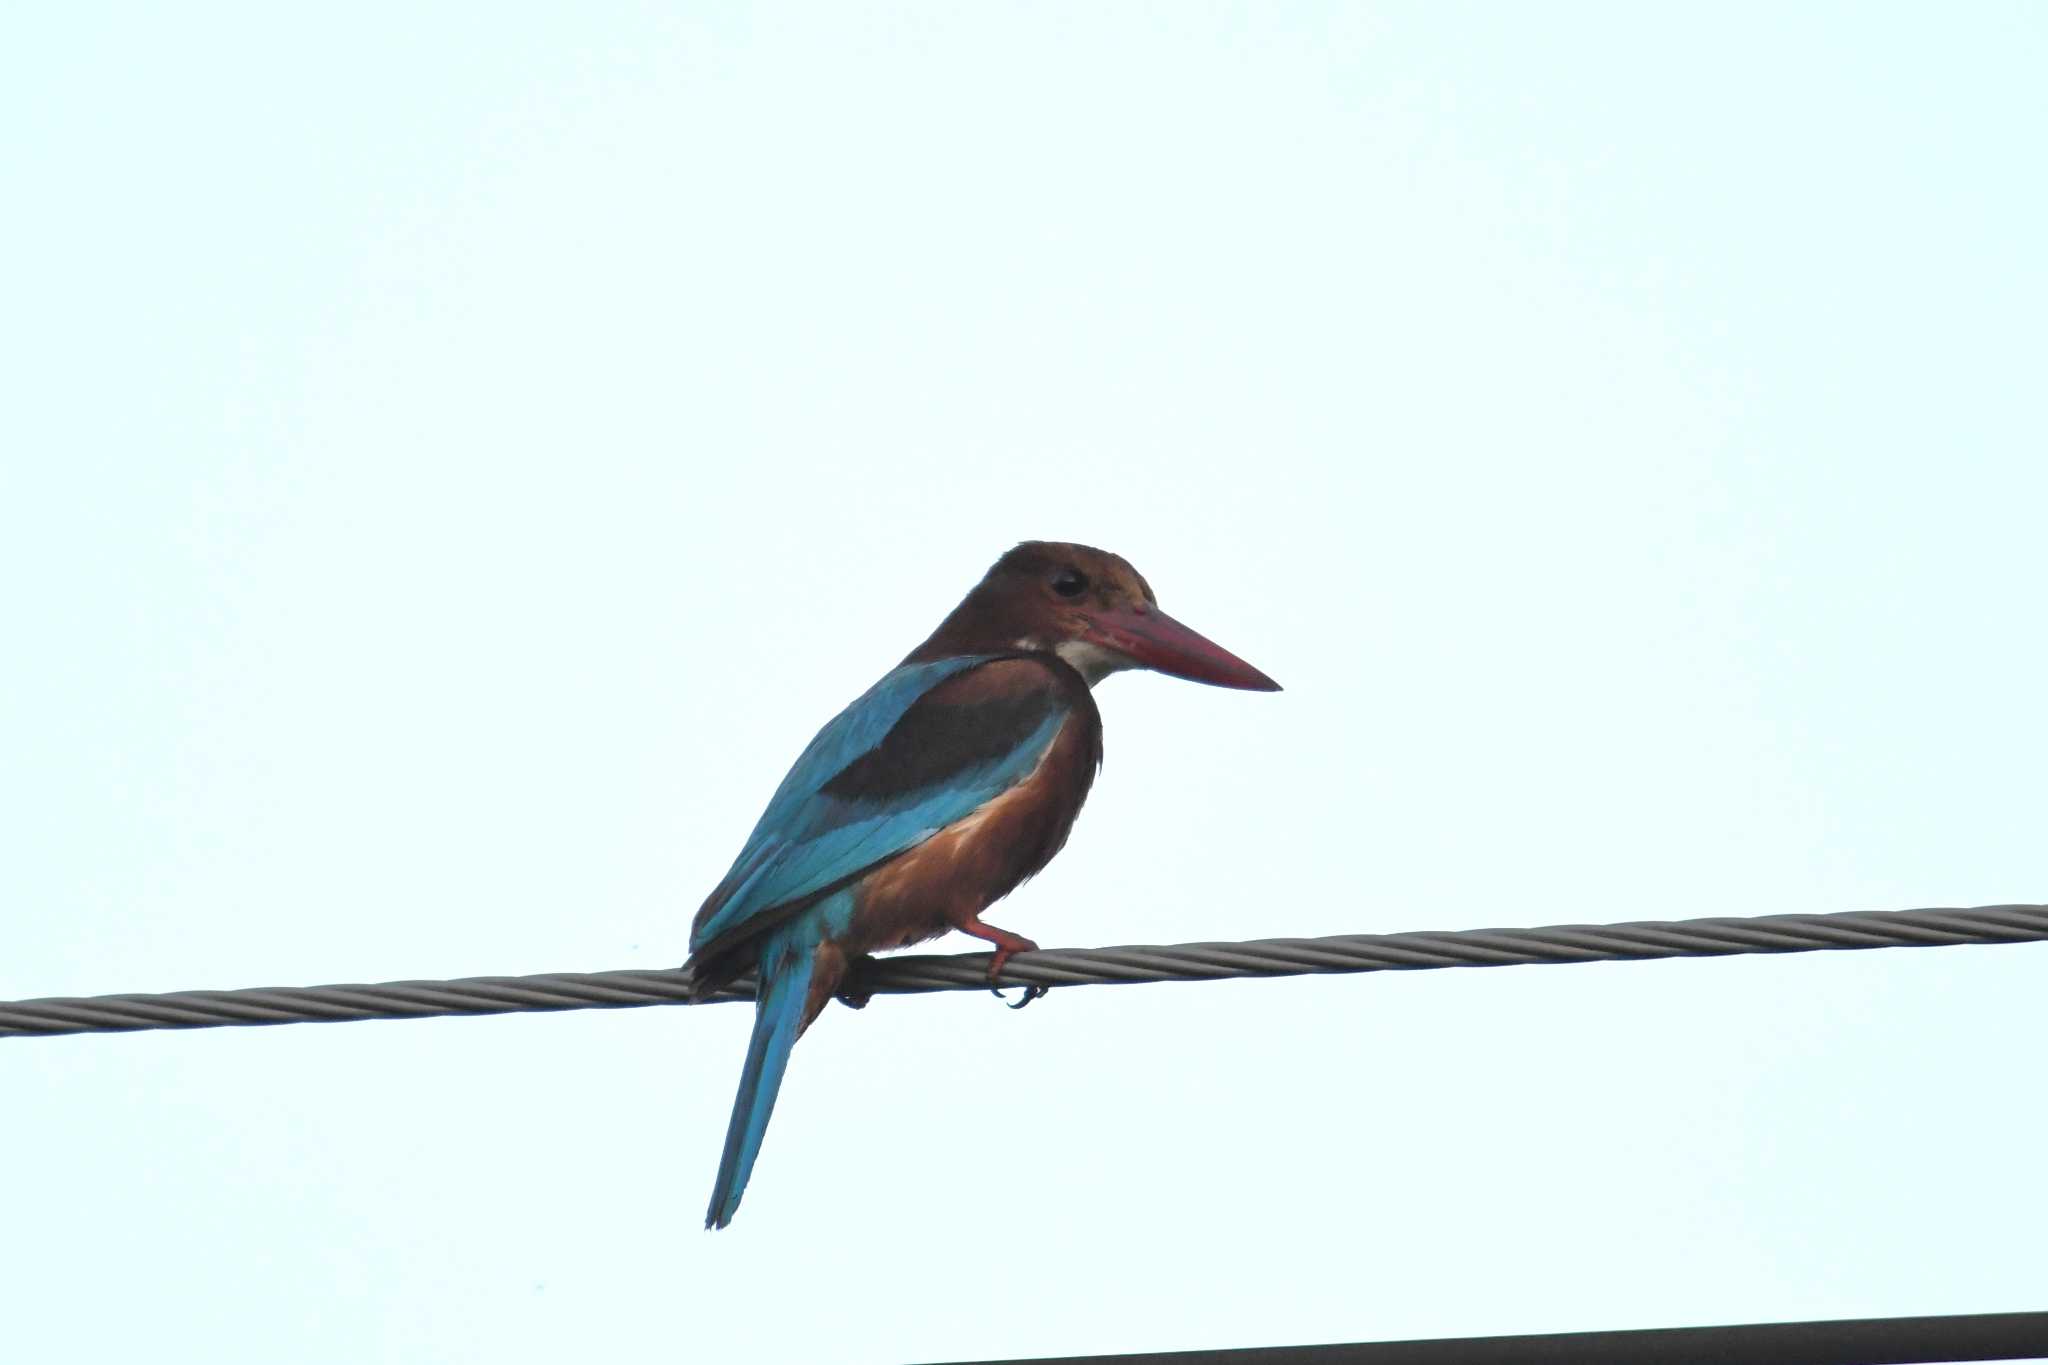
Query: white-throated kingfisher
<point x="930" y="798"/>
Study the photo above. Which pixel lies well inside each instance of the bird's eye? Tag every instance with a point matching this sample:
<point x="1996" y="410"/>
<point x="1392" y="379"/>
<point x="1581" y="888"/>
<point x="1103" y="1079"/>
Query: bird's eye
<point x="1070" y="583"/>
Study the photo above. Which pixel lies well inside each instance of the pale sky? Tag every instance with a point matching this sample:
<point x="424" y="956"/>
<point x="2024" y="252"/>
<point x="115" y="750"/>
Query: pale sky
<point x="454" y="457"/>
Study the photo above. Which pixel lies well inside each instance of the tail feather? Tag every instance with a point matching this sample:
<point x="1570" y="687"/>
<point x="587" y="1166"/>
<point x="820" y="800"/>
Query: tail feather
<point x="778" y="1018"/>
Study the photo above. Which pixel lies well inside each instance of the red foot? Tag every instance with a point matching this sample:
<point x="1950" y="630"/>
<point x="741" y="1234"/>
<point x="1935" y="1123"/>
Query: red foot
<point x="1007" y="943"/>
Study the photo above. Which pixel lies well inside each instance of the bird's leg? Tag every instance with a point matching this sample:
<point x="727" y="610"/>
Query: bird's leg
<point x="1006" y="943"/>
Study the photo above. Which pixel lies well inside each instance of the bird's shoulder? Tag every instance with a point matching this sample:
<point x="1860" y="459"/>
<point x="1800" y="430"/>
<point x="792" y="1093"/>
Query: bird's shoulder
<point x="974" y="718"/>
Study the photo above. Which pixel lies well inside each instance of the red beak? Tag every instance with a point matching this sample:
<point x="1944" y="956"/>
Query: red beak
<point x="1152" y="639"/>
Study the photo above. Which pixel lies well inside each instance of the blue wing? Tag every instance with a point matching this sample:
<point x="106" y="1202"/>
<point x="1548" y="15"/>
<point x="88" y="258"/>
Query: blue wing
<point x="882" y="777"/>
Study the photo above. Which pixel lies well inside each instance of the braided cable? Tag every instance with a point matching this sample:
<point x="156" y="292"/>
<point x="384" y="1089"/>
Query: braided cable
<point x="918" y="974"/>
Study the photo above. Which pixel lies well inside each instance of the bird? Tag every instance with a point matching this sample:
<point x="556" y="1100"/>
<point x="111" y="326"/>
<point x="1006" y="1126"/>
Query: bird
<point x="932" y="796"/>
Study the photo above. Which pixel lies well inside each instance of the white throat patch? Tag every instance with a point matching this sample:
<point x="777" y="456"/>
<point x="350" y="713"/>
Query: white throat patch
<point x="1090" y="660"/>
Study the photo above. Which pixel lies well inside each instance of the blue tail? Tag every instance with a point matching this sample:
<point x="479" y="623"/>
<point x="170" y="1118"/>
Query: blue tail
<point x="778" y="1014"/>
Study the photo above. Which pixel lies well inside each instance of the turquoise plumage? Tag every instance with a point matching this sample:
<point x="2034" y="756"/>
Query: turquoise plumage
<point x="810" y="841"/>
<point x="806" y="840"/>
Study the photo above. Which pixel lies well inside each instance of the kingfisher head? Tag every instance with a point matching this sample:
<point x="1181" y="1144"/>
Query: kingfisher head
<point x="1092" y="609"/>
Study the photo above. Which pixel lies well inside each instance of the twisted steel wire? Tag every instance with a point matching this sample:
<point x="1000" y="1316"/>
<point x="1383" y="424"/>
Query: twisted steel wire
<point x="913" y="975"/>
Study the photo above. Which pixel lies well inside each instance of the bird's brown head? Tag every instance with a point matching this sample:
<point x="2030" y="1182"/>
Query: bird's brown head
<point x="1092" y="609"/>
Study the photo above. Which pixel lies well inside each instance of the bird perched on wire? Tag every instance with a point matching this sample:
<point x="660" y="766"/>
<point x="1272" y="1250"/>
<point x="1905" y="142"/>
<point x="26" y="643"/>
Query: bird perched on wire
<point x="931" y="797"/>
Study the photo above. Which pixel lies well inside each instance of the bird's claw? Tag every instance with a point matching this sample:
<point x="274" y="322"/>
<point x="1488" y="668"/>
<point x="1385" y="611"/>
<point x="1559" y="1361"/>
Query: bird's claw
<point x="1031" y="993"/>
<point x="1008" y="945"/>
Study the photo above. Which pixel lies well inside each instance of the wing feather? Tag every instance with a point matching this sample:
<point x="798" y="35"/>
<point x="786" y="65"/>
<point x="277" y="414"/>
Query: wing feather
<point x="909" y="757"/>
